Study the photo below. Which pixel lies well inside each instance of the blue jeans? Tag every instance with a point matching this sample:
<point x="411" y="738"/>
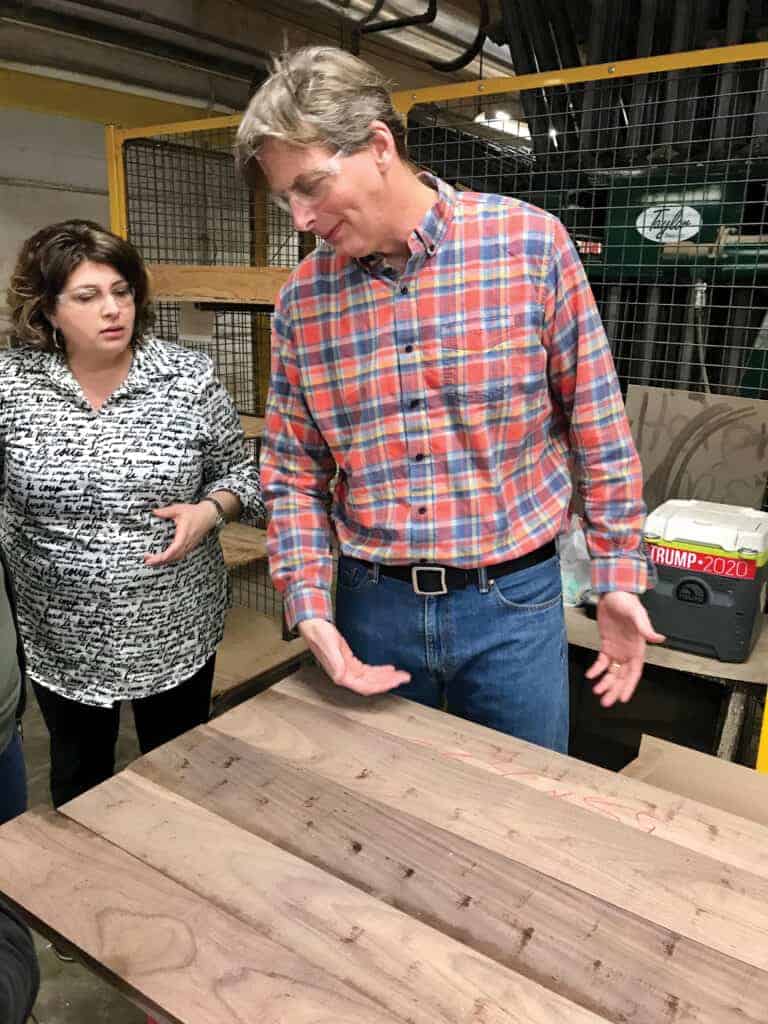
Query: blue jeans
<point x="498" y="658"/>
<point x="13" y="780"/>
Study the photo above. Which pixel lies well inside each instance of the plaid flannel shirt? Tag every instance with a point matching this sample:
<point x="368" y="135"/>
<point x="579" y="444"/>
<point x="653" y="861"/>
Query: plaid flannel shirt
<point x="449" y="404"/>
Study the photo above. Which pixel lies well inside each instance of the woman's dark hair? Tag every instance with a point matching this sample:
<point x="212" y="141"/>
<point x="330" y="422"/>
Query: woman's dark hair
<point x="43" y="268"/>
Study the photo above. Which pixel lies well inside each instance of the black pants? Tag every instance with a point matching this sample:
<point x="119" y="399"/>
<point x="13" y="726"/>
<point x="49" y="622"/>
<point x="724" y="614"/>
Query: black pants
<point x="83" y="736"/>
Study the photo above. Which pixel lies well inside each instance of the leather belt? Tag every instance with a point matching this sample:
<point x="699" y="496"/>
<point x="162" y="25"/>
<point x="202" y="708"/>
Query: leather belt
<point x="434" y="580"/>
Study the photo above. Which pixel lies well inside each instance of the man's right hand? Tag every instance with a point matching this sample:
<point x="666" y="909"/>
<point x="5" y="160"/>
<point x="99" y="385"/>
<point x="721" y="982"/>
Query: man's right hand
<point x="336" y="657"/>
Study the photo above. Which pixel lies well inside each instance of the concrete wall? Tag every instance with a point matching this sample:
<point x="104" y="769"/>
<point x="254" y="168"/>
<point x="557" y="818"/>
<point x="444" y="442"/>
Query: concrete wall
<point x="51" y="168"/>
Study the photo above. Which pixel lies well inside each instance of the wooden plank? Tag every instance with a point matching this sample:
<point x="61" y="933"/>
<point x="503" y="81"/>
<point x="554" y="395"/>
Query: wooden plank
<point x="606" y="960"/>
<point x="242" y="544"/>
<point x="253" y="426"/>
<point x="180" y="282"/>
<point x="252" y="649"/>
<point x="371" y="958"/>
<point x="582" y="631"/>
<point x="170" y="950"/>
<point x="722" y="907"/>
<point x="692" y="825"/>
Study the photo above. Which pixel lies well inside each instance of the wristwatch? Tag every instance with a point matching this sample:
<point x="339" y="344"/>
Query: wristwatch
<point x="221" y="520"/>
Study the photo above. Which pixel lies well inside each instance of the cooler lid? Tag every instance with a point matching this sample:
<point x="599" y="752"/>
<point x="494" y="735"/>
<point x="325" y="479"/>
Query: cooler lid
<point x="729" y="527"/>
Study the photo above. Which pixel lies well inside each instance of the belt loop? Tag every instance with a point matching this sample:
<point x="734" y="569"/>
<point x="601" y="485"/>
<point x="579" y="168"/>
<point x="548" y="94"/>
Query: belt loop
<point x="482" y="576"/>
<point x="375" y="573"/>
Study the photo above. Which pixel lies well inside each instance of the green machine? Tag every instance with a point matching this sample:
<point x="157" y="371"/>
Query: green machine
<point x="662" y="225"/>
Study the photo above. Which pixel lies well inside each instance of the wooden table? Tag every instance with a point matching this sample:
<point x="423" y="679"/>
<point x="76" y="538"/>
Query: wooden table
<point x="582" y="632"/>
<point x="315" y="858"/>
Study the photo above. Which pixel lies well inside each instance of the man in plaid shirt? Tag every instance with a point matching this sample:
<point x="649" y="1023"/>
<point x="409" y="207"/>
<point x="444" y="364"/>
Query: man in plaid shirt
<point x="438" y="359"/>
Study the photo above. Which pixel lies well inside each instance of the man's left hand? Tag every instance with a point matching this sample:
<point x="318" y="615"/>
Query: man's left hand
<point x="624" y="629"/>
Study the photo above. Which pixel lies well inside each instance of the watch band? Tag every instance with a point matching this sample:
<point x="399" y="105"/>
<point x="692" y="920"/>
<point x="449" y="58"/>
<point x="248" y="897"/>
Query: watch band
<point x="221" y="519"/>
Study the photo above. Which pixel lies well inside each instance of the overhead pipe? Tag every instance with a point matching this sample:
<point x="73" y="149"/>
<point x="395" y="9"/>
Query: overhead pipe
<point x="722" y="122"/>
<point x="639" y="104"/>
<point x="523" y="58"/>
<point x="144" y="17"/>
<point x="473" y="50"/>
<point x="414" y="19"/>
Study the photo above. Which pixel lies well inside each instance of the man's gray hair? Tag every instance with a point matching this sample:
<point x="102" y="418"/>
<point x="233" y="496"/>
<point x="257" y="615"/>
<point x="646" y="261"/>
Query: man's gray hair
<point x="316" y="96"/>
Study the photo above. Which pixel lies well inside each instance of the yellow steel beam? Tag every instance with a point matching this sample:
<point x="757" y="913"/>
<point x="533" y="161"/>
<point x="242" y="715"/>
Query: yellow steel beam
<point x="762" y="750"/>
<point x="23" y="90"/>
<point x="175" y="128"/>
<point x="116" y="183"/>
<point x="406" y="99"/>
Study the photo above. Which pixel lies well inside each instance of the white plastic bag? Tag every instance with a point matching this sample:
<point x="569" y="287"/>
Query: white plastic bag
<point x="574" y="563"/>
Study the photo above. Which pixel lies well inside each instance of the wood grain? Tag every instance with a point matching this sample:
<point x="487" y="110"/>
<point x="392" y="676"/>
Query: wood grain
<point x="692" y="825"/>
<point x="168" y="948"/>
<point x="321" y="932"/>
<point x="253" y="426"/>
<point x="698" y="897"/>
<point x="182" y="282"/>
<point x="242" y="544"/>
<point x="616" y="964"/>
<point x="252" y="648"/>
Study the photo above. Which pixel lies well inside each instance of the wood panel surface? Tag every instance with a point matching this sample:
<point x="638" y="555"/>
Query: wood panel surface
<point x="170" y="949"/>
<point x="333" y="952"/>
<point x="181" y="282"/>
<point x="693" y="895"/>
<point x="616" y="964"/>
<point x="242" y="544"/>
<point x="253" y="426"/>
<point x="690" y="824"/>
<point x="253" y="648"/>
<point x="315" y="858"/>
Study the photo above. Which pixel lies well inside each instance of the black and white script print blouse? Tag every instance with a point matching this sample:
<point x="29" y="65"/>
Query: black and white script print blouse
<point x="79" y="487"/>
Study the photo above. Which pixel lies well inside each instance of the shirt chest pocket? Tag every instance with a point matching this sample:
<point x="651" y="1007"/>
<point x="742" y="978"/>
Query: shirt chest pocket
<point x="488" y="357"/>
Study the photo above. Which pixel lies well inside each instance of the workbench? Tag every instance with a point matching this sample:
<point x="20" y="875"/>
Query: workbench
<point x="737" y="676"/>
<point x="312" y="857"/>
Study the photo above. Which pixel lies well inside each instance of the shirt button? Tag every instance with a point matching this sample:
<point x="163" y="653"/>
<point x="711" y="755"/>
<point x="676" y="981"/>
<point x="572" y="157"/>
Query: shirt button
<point x="404" y="289"/>
<point x="414" y="402"/>
<point x="422" y="511"/>
<point x="419" y="456"/>
<point x="409" y="348"/>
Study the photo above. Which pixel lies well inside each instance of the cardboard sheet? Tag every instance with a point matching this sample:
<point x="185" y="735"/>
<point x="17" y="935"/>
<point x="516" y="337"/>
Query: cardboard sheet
<point x="692" y="445"/>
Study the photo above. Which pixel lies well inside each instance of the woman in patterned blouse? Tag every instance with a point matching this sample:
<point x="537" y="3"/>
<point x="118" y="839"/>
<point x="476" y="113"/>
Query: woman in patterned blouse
<point x="122" y="456"/>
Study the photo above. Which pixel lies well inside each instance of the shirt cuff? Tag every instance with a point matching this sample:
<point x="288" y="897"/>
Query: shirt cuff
<point x="306" y="603"/>
<point x="634" y="574"/>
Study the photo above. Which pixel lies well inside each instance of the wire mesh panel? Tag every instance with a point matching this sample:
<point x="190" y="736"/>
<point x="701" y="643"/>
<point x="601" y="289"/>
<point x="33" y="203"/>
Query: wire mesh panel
<point x="662" y="182"/>
<point x="251" y="587"/>
<point x="186" y="205"/>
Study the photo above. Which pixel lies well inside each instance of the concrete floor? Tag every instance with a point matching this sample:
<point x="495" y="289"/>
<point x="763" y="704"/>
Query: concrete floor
<point x="69" y="993"/>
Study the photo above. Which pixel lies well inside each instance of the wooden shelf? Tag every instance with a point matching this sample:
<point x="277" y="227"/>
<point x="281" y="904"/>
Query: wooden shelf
<point x="253" y="426"/>
<point x="243" y="545"/>
<point x="182" y="282"/>
<point x="251" y="656"/>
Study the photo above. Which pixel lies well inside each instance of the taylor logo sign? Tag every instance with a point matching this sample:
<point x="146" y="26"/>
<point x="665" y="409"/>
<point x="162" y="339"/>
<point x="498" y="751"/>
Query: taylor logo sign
<point x="668" y="223"/>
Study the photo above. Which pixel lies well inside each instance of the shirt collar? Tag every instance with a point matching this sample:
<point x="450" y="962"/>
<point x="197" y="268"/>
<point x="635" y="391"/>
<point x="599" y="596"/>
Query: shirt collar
<point x="150" y="364"/>
<point x="426" y="238"/>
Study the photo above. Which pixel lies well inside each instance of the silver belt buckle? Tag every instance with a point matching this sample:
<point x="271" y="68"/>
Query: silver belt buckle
<point x="439" y="569"/>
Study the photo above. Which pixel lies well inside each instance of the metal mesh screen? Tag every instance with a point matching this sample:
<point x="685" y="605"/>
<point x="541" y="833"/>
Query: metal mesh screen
<point x="662" y="181"/>
<point x="239" y="347"/>
<point x="252" y="588"/>
<point x="185" y="204"/>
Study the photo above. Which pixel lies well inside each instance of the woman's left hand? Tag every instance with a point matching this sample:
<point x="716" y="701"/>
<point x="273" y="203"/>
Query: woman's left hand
<point x="192" y="523"/>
